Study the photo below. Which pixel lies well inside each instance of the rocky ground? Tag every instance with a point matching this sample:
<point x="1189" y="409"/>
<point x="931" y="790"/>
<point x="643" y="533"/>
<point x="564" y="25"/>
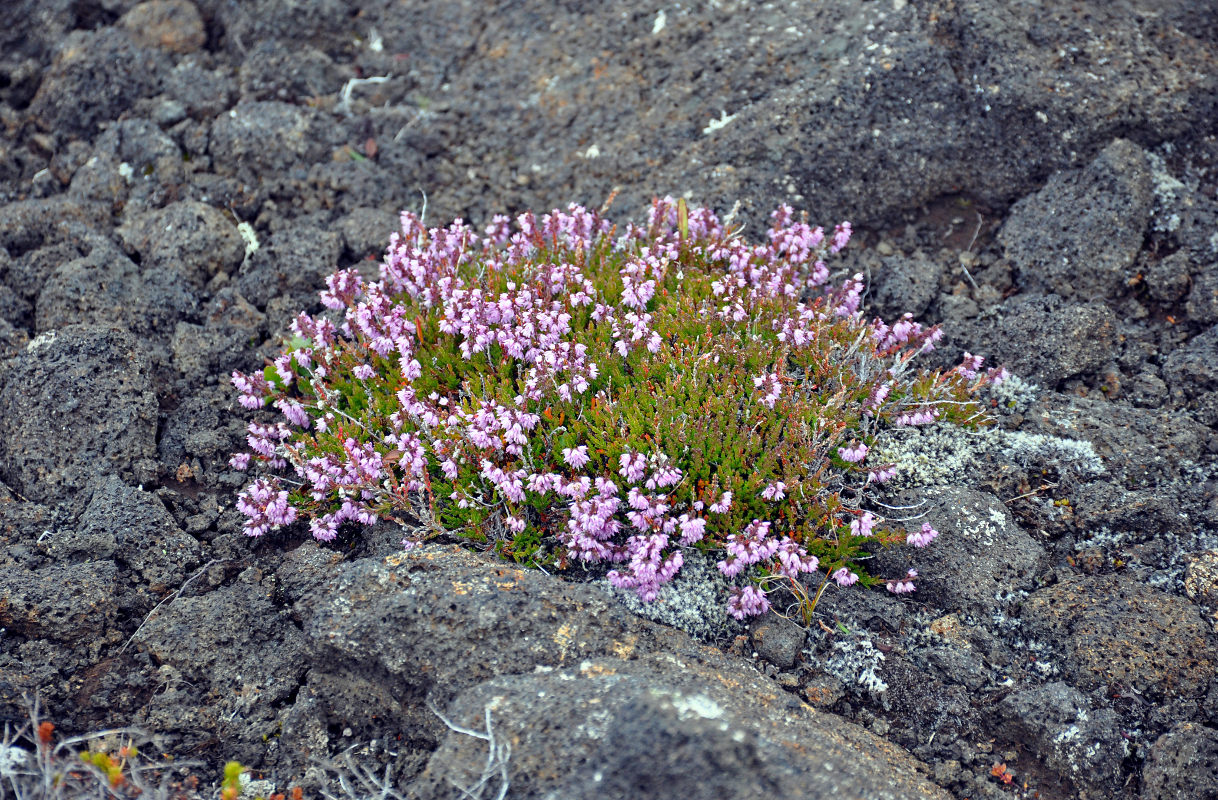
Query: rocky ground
<point x="176" y="180"/>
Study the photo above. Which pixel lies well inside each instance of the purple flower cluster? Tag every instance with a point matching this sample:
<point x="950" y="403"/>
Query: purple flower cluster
<point x="904" y="585"/>
<point x="264" y="506"/>
<point x="923" y="537"/>
<point x="479" y="378"/>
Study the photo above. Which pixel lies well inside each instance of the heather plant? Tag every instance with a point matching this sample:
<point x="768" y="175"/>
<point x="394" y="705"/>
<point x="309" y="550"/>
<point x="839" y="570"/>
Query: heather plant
<point x="568" y="392"/>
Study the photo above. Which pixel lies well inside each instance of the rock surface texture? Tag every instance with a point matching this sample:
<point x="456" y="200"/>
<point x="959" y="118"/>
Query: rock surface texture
<point x="178" y="177"/>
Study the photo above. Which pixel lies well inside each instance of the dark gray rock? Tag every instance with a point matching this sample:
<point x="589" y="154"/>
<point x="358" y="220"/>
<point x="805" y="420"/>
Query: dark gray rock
<point x="980" y="555"/>
<point x="1193" y="368"/>
<point x="62" y="603"/>
<point x="1115" y="632"/>
<point x="13" y="340"/>
<point x="443" y="619"/>
<point x="224" y="191"/>
<point x="19" y="79"/>
<point x="1142" y="448"/>
<point x="1080" y="745"/>
<point x="904" y="285"/>
<point x="325" y="23"/>
<point x="777" y="640"/>
<point x="172" y="25"/>
<point x="203" y="427"/>
<point x="1183" y="763"/>
<point x="293" y="262"/>
<point x="15" y="310"/>
<point x="1042" y="338"/>
<point x="1103" y="506"/>
<point x="348" y="184"/>
<point x="106" y="288"/>
<point x="21" y="524"/>
<point x="132" y="527"/>
<point x="262" y="139"/>
<point x="35" y="27"/>
<point x="30" y="224"/>
<point x="233" y="647"/>
<point x="874" y="111"/>
<point x="957" y="654"/>
<point x="203" y="91"/>
<point x="661" y="727"/>
<point x="1146" y="390"/>
<point x="287" y="71"/>
<point x="134" y="167"/>
<point x="1167" y="279"/>
<point x="366" y="232"/>
<point x="1202" y="304"/>
<point x="96" y="75"/>
<point x="187" y="240"/>
<point x="1079" y="236"/>
<point x="76" y="406"/>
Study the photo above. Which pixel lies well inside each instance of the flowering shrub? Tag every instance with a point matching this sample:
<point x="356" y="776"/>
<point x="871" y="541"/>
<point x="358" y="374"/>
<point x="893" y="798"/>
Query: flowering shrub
<point x="565" y="393"/>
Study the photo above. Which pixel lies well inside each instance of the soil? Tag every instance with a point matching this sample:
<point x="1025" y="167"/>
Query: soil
<point x="178" y="178"/>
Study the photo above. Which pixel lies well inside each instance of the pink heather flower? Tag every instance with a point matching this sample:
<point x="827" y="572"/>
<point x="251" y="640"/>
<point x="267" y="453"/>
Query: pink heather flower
<point x="923" y="537"/>
<point x="342" y="287"/>
<point x="634" y="465"/>
<point x="794" y="559"/>
<point x="747" y="602"/>
<point x="637" y="499"/>
<point x="820" y="274"/>
<point x="637" y="296"/>
<point x="648" y="569"/>
<point x="770" y="387"/>
<point x="931" y="340"/>
<point x="878" y="395"/>
<point x="498" y="231"/>
<point x="853" y="455"/>
<point x="543" y="482"/>
<point x="882" y="474"/>
<point x="262" y="438"/>
<point x="775" y="491"/>
<point x="969" y="366"/>
<point x="996" y="375"/>
<point x="780" y="217"/>
<point x="844" y="577"/>
<point x="515" y="524"/>
<point x="692" y="529"/>
<point x="240" y="461"/>
<point x="266" y="506"/>
<point x="293" y="412"/>
<point x="752" y="545"/>
<point x="923" y="417"/>
<point x="841" y="235"/>
<point x="663" y="474"/>
<point x="905" y="585"/>
<point x="725" y="502"/>
<point x="731" y="566"/>
<point x="863" y="525"/>
<point x="324" y="528"/>
<point x="363" y="372"/>
<point x="253" y="388"/>
<point x="577" y="488"/>
<point x="576" y="457"/>
<point x="283" y="366"/>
